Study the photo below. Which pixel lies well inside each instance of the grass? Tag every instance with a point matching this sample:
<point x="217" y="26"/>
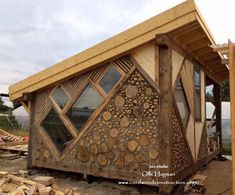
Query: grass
<point x="226" y="149"/>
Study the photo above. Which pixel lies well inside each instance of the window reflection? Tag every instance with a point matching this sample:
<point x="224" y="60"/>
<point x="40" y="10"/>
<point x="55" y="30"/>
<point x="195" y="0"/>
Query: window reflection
<point x="57" y="131"/>
<point x="60" y="97"/>
<point x="110" y="79"/>
<point x="181" y="103"/>
<point x="84" y="106"/>
<point x="197" y="87"/>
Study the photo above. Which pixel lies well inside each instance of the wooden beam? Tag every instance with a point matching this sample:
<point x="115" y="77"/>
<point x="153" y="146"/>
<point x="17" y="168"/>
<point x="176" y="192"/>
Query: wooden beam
<point x="31" y="130"/>
<point x="207" y="56"/>
<point x="185" y="29"/>
<point x="232" y="105"/>
<point x="202" y="51"/>
<point x="217" y="100"/>
<point x="165" y="39"/>
<point x="198" y="44"/>
<point x="165" y="116"/>
<point x="192" y="36"/>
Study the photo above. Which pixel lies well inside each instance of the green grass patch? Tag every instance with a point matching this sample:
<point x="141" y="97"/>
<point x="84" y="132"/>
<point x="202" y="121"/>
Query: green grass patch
<point x="226" y="149"/>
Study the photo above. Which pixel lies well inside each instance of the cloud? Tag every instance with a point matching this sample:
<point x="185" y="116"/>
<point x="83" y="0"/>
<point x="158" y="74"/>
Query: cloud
<point x="35" y="34"/>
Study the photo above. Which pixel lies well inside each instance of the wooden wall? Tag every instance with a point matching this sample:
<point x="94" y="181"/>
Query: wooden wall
<point x="183" y="69"/>
<point x="146" y="55"/>
<point x="120" y="139"/>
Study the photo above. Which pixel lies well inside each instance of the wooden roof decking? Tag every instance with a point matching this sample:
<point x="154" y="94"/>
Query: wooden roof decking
<point x="184" y="23"/>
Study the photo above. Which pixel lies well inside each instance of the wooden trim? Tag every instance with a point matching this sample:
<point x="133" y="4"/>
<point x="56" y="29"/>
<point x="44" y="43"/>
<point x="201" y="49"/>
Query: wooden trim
<point x="31" y="133"/>
<point x="55" y="104"/>
<point x="157" y="65"/>
<point x="198" y="70"/>
<point x="232" y="105"/>
<point x="178" y="76"/>
<point x="165" y="114"/>
<point x="96" y="83"/>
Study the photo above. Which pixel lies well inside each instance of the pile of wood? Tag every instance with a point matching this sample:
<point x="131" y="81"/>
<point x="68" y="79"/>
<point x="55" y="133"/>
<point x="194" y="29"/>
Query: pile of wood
<point x="8" y="137"/>
<point x="14" y="185"/>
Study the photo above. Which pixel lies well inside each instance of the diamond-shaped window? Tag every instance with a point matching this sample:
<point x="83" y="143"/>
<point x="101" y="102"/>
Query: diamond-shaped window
<point x="181" y="103"/>
<point x="84" y="106"/>
<point x="60" y="97"/>
<point x="57" y="131"/>
<point x="110" y="79"/>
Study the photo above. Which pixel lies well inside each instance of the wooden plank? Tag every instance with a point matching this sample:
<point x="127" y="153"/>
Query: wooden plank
<point x="197" y="44"/>
<point x="145" y="56"/>
<point x="142" y="33"/>
<point x="157" y="67"/>
<point x="188" y="84"/>
<point x="232" y="105"/>
<point x="198" y="135"/>
<point x="177" y="61"/>
<point x="217" y="100"/>
<point x="190" y="136"/>
<point x="166" y="107"/>
<point x="31" y="130"/>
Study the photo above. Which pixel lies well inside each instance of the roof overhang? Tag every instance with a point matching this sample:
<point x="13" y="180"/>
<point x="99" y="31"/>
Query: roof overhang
<point x="184" y="24"/>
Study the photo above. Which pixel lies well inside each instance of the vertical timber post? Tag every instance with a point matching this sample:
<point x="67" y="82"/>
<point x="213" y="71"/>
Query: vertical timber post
<point x="232" y="105"/>
<point x="28" y="97"/>
<point x="165" y="115"/>
<point x="218" y="112"/>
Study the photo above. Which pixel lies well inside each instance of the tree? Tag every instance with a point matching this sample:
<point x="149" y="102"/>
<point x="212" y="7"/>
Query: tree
<point x="225" y="91"/>
<point x="3" y="108"/>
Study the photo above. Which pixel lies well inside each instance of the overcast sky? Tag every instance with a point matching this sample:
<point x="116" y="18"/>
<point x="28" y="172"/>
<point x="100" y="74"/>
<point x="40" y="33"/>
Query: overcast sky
<point x="35" y="34"/>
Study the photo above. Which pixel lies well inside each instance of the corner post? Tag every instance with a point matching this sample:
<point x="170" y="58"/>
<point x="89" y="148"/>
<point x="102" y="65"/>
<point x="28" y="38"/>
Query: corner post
<point x="166" y="107"/>
<point x="218" y="112"/>
<point x="29" y="98"/>
<point x="232" y="105"/>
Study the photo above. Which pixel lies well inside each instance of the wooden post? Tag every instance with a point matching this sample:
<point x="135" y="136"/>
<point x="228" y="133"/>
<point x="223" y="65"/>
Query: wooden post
<point x="217" y="101"/>
<point x="28" y="97"/>
<point x="232" y="105"/>
<point x="165" y="115"/>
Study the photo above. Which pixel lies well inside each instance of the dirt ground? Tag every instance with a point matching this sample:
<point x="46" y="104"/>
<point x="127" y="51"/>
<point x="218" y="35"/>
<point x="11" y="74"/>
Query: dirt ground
<point x="218" y="180"/>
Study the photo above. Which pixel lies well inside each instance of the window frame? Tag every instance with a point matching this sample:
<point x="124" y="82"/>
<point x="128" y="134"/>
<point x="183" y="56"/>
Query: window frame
<point x="102" y="76"/>
<point x="46" y="136"/>
<point x="198" y="70"/>
<point x="55" y="104"/>
<point x="89" y="82"/>
<point x="184" y="93"/>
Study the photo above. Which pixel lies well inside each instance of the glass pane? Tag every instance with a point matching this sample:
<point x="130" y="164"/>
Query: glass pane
<point x="197" y="104"/>
<point x="84" y="106"/>
<point x="110" y="79"/>
<point x="197" y="78"/>
<point x="60" y="97"/>
<point x="57" y="131"/>
<point x="181" y="103"/>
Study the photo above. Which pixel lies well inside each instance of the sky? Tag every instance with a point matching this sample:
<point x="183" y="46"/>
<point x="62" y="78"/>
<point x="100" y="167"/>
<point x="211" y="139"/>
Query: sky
<point x="35" y="34"/>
